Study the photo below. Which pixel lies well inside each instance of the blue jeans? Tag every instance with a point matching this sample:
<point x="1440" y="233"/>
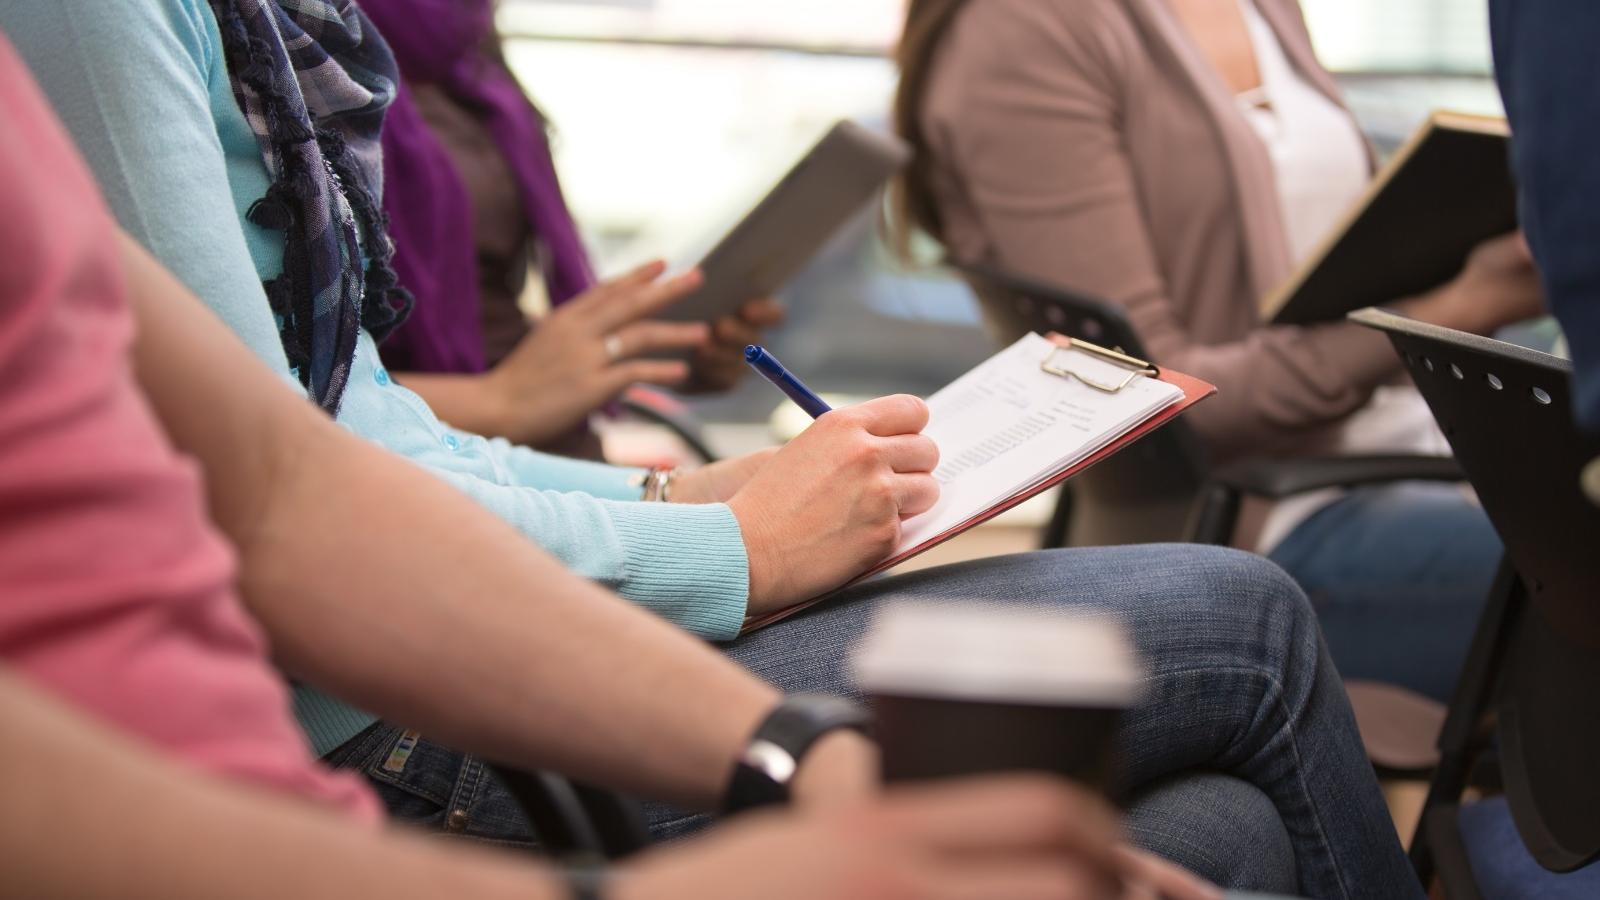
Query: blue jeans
<point x="1398" y="575"/>
<point x="1241" y="706"/>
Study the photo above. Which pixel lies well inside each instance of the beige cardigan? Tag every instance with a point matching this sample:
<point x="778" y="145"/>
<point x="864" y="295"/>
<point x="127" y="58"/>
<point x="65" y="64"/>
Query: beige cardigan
<point x="1091" y="144"/>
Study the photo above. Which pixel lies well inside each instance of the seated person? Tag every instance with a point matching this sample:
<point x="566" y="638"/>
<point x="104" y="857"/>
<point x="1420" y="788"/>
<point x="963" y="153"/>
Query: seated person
<point x="120" y="599"/>
<point x="1178" y="159"/>
<point x="78" y="793"/>
<point x="472" y="197"/>
<point x="1542" y="61"/>
<point x="796" y="523"/>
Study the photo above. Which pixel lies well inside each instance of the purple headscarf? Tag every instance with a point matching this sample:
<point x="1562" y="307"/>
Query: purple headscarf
<point x="443" y="42"/>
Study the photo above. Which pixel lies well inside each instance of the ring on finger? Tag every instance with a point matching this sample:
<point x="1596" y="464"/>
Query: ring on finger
<point x="613" y="345"/>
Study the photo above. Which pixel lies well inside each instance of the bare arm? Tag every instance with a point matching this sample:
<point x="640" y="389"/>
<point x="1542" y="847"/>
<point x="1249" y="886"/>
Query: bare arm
<point x="383" y="585"/>
<point x="75" y="792"/>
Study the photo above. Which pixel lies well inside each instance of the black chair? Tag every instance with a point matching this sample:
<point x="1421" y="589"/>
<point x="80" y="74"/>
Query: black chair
<point x="574" y="823"/>
<point x="1528" y="693"/>
<point x="1165" y="487"/>
<point x="662" y="409"/>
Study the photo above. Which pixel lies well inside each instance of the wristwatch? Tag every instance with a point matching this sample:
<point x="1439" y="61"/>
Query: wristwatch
<point x="773" y="755"/>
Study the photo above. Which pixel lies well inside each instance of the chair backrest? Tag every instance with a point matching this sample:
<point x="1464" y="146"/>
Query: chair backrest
<point x="1141" y="494"/>
<point x="1507" y="414"/>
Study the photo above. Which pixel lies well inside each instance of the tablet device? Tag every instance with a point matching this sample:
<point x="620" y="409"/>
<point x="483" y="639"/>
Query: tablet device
<point x="837" y="179"/>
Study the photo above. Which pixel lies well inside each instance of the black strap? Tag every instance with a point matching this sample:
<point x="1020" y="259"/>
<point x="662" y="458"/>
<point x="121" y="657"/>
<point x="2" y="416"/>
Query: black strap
<point x="586" y="882"/>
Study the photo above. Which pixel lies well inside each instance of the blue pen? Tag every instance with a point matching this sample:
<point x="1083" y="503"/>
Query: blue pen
<point x="781" y="378"/>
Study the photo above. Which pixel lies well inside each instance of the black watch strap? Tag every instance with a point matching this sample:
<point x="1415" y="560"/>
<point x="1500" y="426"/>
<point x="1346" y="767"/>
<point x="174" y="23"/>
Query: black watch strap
<point x="773" y="754"/>
<point x="586" y="882"/>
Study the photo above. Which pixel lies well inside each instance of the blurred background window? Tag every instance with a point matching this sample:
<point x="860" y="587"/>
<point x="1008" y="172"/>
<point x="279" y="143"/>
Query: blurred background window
<point x="1428" y="36"/>
<point x="673" y="116"/>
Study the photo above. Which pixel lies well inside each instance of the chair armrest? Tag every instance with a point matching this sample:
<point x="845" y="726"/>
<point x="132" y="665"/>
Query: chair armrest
<point x="653" y="406"/>
<point x="1278" y="479"/>
<point x="1216" y="511"/>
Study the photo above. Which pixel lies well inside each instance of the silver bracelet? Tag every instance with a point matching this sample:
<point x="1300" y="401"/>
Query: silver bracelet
<point x="658" y="485"/>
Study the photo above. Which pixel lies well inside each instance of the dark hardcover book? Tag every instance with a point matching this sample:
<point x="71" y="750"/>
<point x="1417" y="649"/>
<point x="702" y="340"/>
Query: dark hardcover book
<point x="1445" y="191"/>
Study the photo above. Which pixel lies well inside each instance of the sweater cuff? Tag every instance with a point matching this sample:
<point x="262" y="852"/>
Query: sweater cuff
<point x="686" y="563"/>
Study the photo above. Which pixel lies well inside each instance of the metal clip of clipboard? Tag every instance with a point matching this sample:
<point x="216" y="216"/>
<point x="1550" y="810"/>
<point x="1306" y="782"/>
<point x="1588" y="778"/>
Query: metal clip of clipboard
<point x="1137" y="367"/>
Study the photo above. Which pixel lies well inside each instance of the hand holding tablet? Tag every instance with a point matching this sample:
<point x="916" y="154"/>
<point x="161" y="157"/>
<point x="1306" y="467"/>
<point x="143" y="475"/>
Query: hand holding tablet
<point x="833" y="182"/>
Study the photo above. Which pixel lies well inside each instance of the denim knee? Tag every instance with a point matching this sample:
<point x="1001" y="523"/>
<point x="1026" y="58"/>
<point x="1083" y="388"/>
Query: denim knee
<point x="1228" y="575"/>
<point x="1236" y="585"/>
<point x="1222" y="828"/>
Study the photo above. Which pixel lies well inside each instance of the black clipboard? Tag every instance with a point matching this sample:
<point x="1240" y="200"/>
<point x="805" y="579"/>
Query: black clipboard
<point x="1447" y="189"/>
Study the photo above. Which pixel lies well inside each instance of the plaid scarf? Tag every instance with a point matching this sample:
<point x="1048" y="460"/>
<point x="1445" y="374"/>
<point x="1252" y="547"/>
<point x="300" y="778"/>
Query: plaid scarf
<point x="313" y="78"/>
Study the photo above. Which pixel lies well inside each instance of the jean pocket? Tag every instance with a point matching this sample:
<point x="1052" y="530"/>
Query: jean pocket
<point x="432" y="786"/>
<point x="357" y="753"/>
<point x="413" y="765"/>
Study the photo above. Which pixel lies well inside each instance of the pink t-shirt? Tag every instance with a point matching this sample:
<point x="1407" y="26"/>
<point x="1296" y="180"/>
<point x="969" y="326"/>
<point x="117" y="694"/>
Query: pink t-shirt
<point x="116" y="593"/>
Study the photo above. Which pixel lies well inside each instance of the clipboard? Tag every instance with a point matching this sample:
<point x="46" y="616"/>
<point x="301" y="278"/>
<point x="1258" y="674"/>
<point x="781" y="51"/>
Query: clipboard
<point x="1194" y="390"/>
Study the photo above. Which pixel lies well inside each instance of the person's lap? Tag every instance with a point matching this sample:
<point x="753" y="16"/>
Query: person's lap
<point x="1398" y="576"/>
<point x="1220" y="827"/>
<point x="1236" y="676"/>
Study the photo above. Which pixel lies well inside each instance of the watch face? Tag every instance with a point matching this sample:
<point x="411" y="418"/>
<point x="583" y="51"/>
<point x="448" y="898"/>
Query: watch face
<point x="752" y="788"/>
<point x="770" y="760"/>
<point x="762" y="777"/>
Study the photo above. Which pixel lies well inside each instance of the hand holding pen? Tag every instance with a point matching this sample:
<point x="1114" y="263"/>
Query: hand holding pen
<point x="829" y="504"/>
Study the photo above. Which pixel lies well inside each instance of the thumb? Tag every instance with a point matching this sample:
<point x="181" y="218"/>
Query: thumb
<point x="1164" y="879"/>
<point x="892" y="415"/>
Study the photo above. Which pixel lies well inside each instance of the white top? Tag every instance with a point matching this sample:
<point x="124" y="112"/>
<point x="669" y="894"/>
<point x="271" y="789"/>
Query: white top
<point x="1319" y="154"/>
<point x="1320" y="160"/>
